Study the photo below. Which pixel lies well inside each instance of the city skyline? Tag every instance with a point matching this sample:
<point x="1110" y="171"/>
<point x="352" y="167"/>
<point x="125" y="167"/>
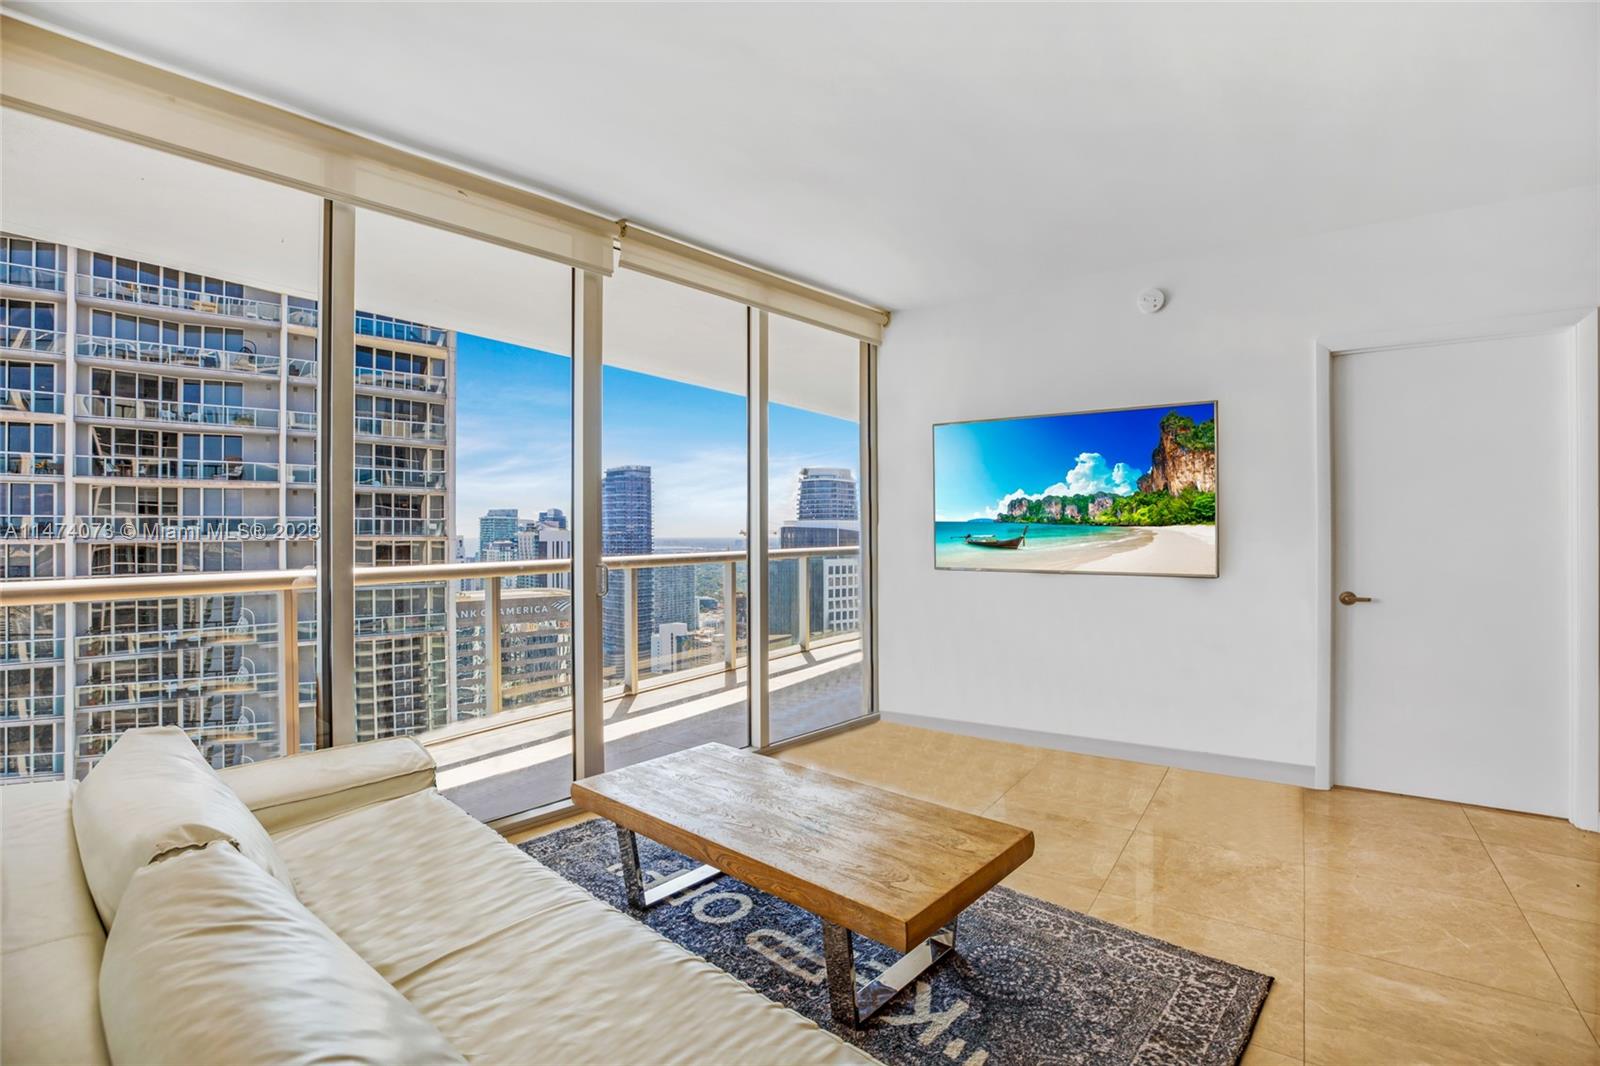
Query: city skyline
<point x="513" y="405"/>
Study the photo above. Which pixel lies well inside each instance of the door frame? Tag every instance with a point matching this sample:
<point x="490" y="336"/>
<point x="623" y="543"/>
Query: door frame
<point x="1580" y="328"/>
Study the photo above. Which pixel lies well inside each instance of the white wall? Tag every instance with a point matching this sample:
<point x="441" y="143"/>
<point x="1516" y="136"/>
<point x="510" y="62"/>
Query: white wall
<point x="1226" y="666"/>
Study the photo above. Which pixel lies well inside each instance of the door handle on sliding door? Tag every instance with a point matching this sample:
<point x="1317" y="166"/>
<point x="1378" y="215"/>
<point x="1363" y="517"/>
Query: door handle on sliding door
<point x="1350" y="599"/>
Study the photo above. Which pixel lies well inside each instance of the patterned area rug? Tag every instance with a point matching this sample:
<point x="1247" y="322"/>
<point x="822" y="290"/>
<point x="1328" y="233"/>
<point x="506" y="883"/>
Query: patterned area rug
<point x="1029" y="982"/>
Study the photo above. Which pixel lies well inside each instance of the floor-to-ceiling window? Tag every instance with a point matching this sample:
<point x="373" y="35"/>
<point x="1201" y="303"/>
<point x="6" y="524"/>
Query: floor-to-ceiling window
<point x="673" y="486"/>
<point x="146" y="435"/>
<point x="815" y="584"/>
<point x="463" y="455"/>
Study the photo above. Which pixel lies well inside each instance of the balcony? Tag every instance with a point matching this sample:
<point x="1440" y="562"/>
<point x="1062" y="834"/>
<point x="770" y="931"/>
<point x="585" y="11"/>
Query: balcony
<point x="399" y="429"/>
<point x="511" y="747"/>
<point x="37" y="341"/>
<point x="398" y="381"/>
<point x="31" y="401"/>
<point x="29" y="527"/>
<point x="304" y="317"/>
<point x="302" y="473"/>
<point x="303" y="421"/>
<point x="31" y="464"/>
<point x="174" y="411"/>
<point x="398" y="478"/>
<point x="31" y="650"/>
<point x="179" y="355"/>
<point x="409" y="332"/>
<point x="173" y="298"/>
<point x="33" y="277"/>
<point x="301" y="367"/>
<point x="176" y="469"/>
<point x="172" y="527"/>
<point x="367" y="526"/>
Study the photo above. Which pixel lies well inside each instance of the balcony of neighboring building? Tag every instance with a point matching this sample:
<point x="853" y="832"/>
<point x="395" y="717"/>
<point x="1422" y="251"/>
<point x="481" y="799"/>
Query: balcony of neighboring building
<point x="198" y="303"/>
<point x="401" y="331"/>
<point x="50" y="343"/>
<point x="175" y="412"/>
<point x="245" y="360"/>
<point x="389" y="428"/>
<point x="147" y="468"/>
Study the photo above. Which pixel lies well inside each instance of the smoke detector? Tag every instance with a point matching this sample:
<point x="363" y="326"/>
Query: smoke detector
<point x="1151" y="301"/>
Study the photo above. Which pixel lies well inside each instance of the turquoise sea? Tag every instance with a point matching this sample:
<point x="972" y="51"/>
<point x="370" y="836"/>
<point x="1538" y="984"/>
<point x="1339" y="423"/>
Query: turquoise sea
<point x="949" y="549"/>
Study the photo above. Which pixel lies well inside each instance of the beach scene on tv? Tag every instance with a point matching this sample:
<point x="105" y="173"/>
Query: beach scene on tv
<point x="1113" y="492"/>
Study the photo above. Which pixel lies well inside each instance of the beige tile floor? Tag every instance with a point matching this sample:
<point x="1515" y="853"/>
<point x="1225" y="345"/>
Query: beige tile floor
<point x="1398" y="929"/>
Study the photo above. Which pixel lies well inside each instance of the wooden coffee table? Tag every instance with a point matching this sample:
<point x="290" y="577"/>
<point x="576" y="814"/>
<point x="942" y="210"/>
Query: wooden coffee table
<point x="891" y="868"/>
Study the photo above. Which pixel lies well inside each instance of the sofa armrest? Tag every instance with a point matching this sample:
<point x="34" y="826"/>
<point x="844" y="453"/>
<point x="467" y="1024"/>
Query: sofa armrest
<point x="315" y="785"/>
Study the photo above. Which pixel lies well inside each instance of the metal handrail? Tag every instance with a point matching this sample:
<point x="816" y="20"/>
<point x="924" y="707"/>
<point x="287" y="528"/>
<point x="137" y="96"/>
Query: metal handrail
<point x="227" y="470"/>
<point x="142" y="292"/>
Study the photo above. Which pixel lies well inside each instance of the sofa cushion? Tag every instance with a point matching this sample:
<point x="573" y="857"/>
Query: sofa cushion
<point x="150" y="795"/>
<point x="314" y="785"/>
<point x="50" y="935"/>
<point x="211" y="960"/>
<point x="513" y="963"/>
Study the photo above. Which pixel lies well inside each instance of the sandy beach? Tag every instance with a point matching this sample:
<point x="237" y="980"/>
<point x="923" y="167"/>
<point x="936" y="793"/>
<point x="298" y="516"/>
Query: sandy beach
<point x="1187" y="550"/>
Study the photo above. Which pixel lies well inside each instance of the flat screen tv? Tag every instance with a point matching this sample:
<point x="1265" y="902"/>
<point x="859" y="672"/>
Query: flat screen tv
<point x="1125" y="491"/>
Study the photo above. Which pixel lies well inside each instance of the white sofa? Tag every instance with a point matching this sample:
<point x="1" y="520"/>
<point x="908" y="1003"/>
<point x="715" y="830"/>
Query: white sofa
<point x="330" y="906"/>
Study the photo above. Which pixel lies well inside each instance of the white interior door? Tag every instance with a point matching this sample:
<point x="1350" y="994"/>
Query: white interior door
<point x="1452" y="511"/>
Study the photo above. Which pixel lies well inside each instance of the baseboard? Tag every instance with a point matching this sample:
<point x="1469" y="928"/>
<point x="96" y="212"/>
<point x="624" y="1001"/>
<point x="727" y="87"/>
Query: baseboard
<point x="1233" y="765"/>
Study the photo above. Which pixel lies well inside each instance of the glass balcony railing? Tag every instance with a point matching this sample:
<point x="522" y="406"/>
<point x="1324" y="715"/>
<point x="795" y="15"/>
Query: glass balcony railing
<point x="399" y="527"/>
<point x="411" y="332"/>
<point x="398" y="429"/>
<point x="31" y="650"/>
<point x="300" y="367"/>
<point x="169" y="527"/>
<point x="302" y="473"/>
<point x="33" y="401"/>
<point x="176" y="469"/>
<point x="29" y="527"/>
<point x="34" y="277"/>
<point x="303" y="316"/>
<point x="179" y="299"/>
<point x="373" y="378"/>
<point x="28" y="339"/>
<point x="303" y="421"/>
<point x="239" y="362"/>
<point x="198" y="634"/>
<point x="199" y="414"/>
<point x="218" y="674"/>
<point x="393" y="478"/>
<point x="31" y="464"/>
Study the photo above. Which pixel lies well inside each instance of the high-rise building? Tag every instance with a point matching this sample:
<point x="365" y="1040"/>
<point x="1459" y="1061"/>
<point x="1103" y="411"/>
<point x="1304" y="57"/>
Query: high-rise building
<point x="158" y="419"/>
<point x="827" y="517"/>
<point x="826" y="494"/>
<point x="499" y="524"/>
<point x="627" y="527"/>
<point x="554" y="517"/>
<point x="675" y="598"/>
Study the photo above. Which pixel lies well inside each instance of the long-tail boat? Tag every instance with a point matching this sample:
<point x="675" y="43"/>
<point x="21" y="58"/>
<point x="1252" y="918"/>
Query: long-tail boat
<point x="982" y="541"/>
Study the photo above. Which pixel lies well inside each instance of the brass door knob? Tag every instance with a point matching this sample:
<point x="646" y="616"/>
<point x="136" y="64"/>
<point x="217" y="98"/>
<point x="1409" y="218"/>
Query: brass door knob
<point x="1350" y="599"/>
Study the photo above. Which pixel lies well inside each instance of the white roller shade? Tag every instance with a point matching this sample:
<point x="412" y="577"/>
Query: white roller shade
<point x="54" y="76"/>
<point x="662" y="257"/>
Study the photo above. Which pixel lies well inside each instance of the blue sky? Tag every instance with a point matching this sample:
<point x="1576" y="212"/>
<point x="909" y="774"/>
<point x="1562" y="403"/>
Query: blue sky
<point x="980" y="466"/>
<point x="514" y="441"/>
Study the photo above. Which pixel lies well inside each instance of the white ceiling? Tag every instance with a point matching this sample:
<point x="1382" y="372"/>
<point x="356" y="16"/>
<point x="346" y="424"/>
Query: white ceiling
<point x="910" y="153"/>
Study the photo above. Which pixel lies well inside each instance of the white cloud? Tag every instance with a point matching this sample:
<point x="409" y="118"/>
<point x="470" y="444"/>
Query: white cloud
<point x="1090" y="475"/>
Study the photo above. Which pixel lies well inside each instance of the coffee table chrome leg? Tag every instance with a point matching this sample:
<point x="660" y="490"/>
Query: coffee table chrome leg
<point x="850" y="1007"/>
<point x="640" y="897"/>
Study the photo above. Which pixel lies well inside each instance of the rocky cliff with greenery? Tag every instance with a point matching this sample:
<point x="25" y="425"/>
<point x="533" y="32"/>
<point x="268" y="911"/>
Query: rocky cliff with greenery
<point x="1180" y="487"/>
<point x="1186" y="455"/>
